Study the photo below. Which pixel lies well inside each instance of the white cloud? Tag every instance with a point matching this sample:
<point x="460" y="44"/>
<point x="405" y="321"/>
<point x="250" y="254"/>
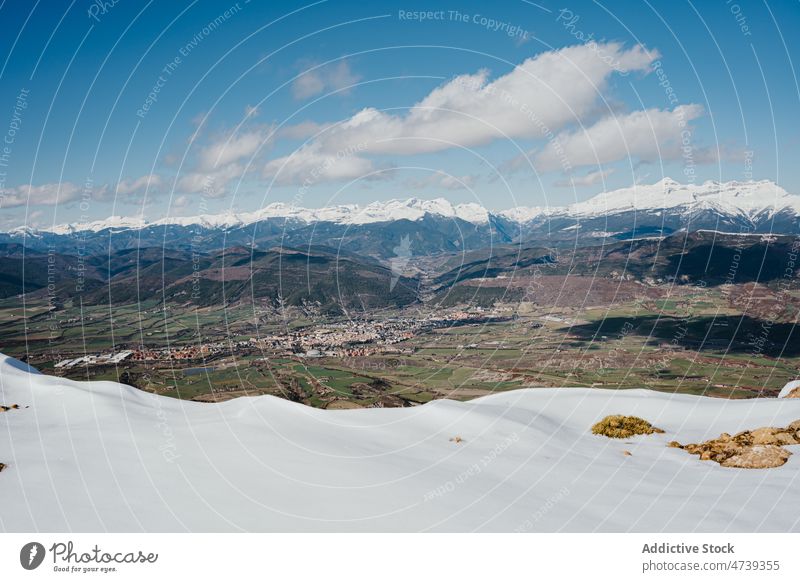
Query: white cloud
<point x="182" y="201"/>
<point x="171" y="159"/>
<point x="458" y="182"/>
<point x="232" y="147"/>
<point x="223" y="158"/>
<point x="589" y="179"/>
<point x="541" y="95"/>
<point x="210" y="184"/>
<point x="302" y="130"/>
<point x="149" y="182"/>
<point x="308" y="166"/>
<point x="199" y="122"/>
<point x="307" y="85"/>
<point x="644" y="135"/>
<point x="446" y="181"/>
<point x="42" y="195"/>
<point x="315" y="81"/>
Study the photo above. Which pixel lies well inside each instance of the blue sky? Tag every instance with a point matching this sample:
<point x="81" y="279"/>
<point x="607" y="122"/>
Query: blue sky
<point x="158" y="108"/>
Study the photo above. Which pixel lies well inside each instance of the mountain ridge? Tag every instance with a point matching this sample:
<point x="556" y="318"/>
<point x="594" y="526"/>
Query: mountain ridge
<point x="746" y="199"/>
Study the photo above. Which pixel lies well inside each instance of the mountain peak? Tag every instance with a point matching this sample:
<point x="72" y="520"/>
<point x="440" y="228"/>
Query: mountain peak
<point x="734" y="198"/>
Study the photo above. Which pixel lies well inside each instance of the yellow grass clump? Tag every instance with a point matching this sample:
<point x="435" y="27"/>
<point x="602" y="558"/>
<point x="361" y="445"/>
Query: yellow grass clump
<point x="618" y="426"/>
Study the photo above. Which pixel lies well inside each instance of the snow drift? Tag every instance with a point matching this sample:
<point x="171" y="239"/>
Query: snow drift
<point x="97" y="456"/>
<point x="790" y="390"/>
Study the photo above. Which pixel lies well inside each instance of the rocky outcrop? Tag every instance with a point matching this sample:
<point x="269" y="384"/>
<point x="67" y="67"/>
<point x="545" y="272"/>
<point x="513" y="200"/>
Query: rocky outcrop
<point x="758" y="457"/>
<point x="791" y="390"/>
<point x="761" y="448"/>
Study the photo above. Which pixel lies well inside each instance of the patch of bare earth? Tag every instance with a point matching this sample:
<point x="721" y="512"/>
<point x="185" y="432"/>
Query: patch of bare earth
<point x="342" y="405"/>
<point x="568" y="291"/>
<point x="487" y="375"/>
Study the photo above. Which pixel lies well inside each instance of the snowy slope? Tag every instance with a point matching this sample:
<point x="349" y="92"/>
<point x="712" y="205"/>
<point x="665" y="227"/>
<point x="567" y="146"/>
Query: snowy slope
<point x="102" y="456"/>
<point x="732" y="198"/>
<point x="789" y="388"/>
<point x="112" y="222"/>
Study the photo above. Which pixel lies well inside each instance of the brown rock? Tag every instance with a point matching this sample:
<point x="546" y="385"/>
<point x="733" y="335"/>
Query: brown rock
<point x="788" y="438"/>
<point x="760" y="448"/>
<point x="774" y="436"/>
<point x="758" y="457"/>
<point x="764" y="436"/>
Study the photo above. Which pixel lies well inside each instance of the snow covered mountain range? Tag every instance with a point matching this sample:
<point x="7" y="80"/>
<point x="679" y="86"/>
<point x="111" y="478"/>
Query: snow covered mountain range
<point x="411" y="209"/>
<point x="735" y="199"/>
<point x="101" y="456"/>
<point x="434" y="226"/>
<point x="743" y="198"/>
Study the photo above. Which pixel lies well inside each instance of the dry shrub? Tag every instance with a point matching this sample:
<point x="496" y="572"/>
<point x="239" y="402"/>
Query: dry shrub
<point x="618" y="426"/>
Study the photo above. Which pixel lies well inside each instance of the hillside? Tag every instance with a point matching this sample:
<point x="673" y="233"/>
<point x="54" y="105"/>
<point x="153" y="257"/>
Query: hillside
<point x="333" y="280"/>
<point x="336" y="279"/>
<point x="526" y="461"/>
<point x="701" y="257"/>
